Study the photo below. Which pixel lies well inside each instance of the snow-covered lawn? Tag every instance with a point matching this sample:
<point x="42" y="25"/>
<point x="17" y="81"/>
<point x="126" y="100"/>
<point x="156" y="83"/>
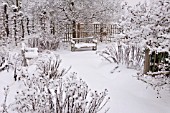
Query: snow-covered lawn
<point x="128" y="95"/>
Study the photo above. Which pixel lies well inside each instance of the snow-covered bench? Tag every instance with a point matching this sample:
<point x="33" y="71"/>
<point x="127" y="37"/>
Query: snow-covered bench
<point x="85" y="42"/>
<point x="29" y="52"/>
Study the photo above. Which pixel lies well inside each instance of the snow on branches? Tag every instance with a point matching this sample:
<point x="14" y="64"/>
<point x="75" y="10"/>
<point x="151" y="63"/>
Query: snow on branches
<point x="129" y="55"/>
<point x="44" y="41"/>
<point x="47" y="90"/>
<point x="4" y="59"/>
<point x="51" y="67"/>
<point x="61" y="95"/>
<point x="148" y="25"/>
<point x="4" y="105"/>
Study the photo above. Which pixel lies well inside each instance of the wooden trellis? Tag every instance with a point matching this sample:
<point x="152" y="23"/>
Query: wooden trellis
<point x="83" y="30"/>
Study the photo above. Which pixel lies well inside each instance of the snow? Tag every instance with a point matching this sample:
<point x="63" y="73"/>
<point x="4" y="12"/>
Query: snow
<point x="166" y="35"/>
<point x="3" y="65"/>
<point x="80" y="45"/>
<point x="5" y="4"/>
<point x="115" y="23"/>
<point x="31" y="52"/>
<point x="119" y="35"/>
<point x="134" y="2"/>
<point x="14" y="6"/>
<point x="128" y="95"/>
<point x="96" y="22"/>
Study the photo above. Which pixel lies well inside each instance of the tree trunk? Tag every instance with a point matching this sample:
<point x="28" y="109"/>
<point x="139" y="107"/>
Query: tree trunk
<point x="7" y="28"/>
<point x="52" y="27"/>
<point x="147" y="61"/>
<point x="74" y="29"/>
<point x="133" y="52"/>
<point x="24" y="59"/>
<point x="17" y="3"/>
<point x="101" y="32"/>
<point x="28" y="31"/>
<point x="15" y="30"/>
<point x="6" y="20"/>
<point x="22" y="27"/>
<point x="33" y="26"/>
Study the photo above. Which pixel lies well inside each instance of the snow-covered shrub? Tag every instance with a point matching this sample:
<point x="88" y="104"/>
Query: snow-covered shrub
<point x="3" y="64"/>
<point x="129" y="55"/>
<point x="62" y="95"/>
<point x="158" y="83"/>
<point x="148" y="25"/>
<point x="49" y="91"/>
<point x="3" y="38"/>
<point x="49" y="41"/>
<point x="51" y="67"/>
<point x="4" y="105"/>
<point x="9" y="59"/>
<point x="44" y="41"/>
<point x="4" y="57"/>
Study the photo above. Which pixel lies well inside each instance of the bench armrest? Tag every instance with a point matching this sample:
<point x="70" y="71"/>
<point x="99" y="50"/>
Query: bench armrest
<point x="94" y="40"/>
<point x="72" y="41"/>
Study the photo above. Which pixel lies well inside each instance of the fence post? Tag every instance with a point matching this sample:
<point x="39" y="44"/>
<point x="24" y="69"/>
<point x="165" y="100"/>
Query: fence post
<point x="147" y="61"/>
<point x="78" y="30"/>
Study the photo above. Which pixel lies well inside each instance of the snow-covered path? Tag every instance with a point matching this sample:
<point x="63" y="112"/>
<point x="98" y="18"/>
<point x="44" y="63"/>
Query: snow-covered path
<point x="128" y="95"/>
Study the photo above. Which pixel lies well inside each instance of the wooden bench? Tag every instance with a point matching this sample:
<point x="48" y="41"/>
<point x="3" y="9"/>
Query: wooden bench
<point x="85" y="42"/>
<point x="29" y="52"/>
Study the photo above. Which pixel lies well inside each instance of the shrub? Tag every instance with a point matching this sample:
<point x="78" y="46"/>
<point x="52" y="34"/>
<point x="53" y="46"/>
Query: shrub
<point x="44" y="41"/>
<point x="51" y="67"/>
<point x="50" y="91"/>
<point x="62" y="95"/>
<point x="131" y="56"/>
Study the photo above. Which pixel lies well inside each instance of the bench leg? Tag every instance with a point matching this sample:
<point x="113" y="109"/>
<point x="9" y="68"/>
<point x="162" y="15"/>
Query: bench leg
<point x="72" y="48"/>
<point x="94" y="48"/>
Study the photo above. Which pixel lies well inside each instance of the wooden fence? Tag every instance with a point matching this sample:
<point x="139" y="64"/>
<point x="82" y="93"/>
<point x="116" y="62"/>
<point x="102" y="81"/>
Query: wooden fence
<point x="159" y="62"/>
